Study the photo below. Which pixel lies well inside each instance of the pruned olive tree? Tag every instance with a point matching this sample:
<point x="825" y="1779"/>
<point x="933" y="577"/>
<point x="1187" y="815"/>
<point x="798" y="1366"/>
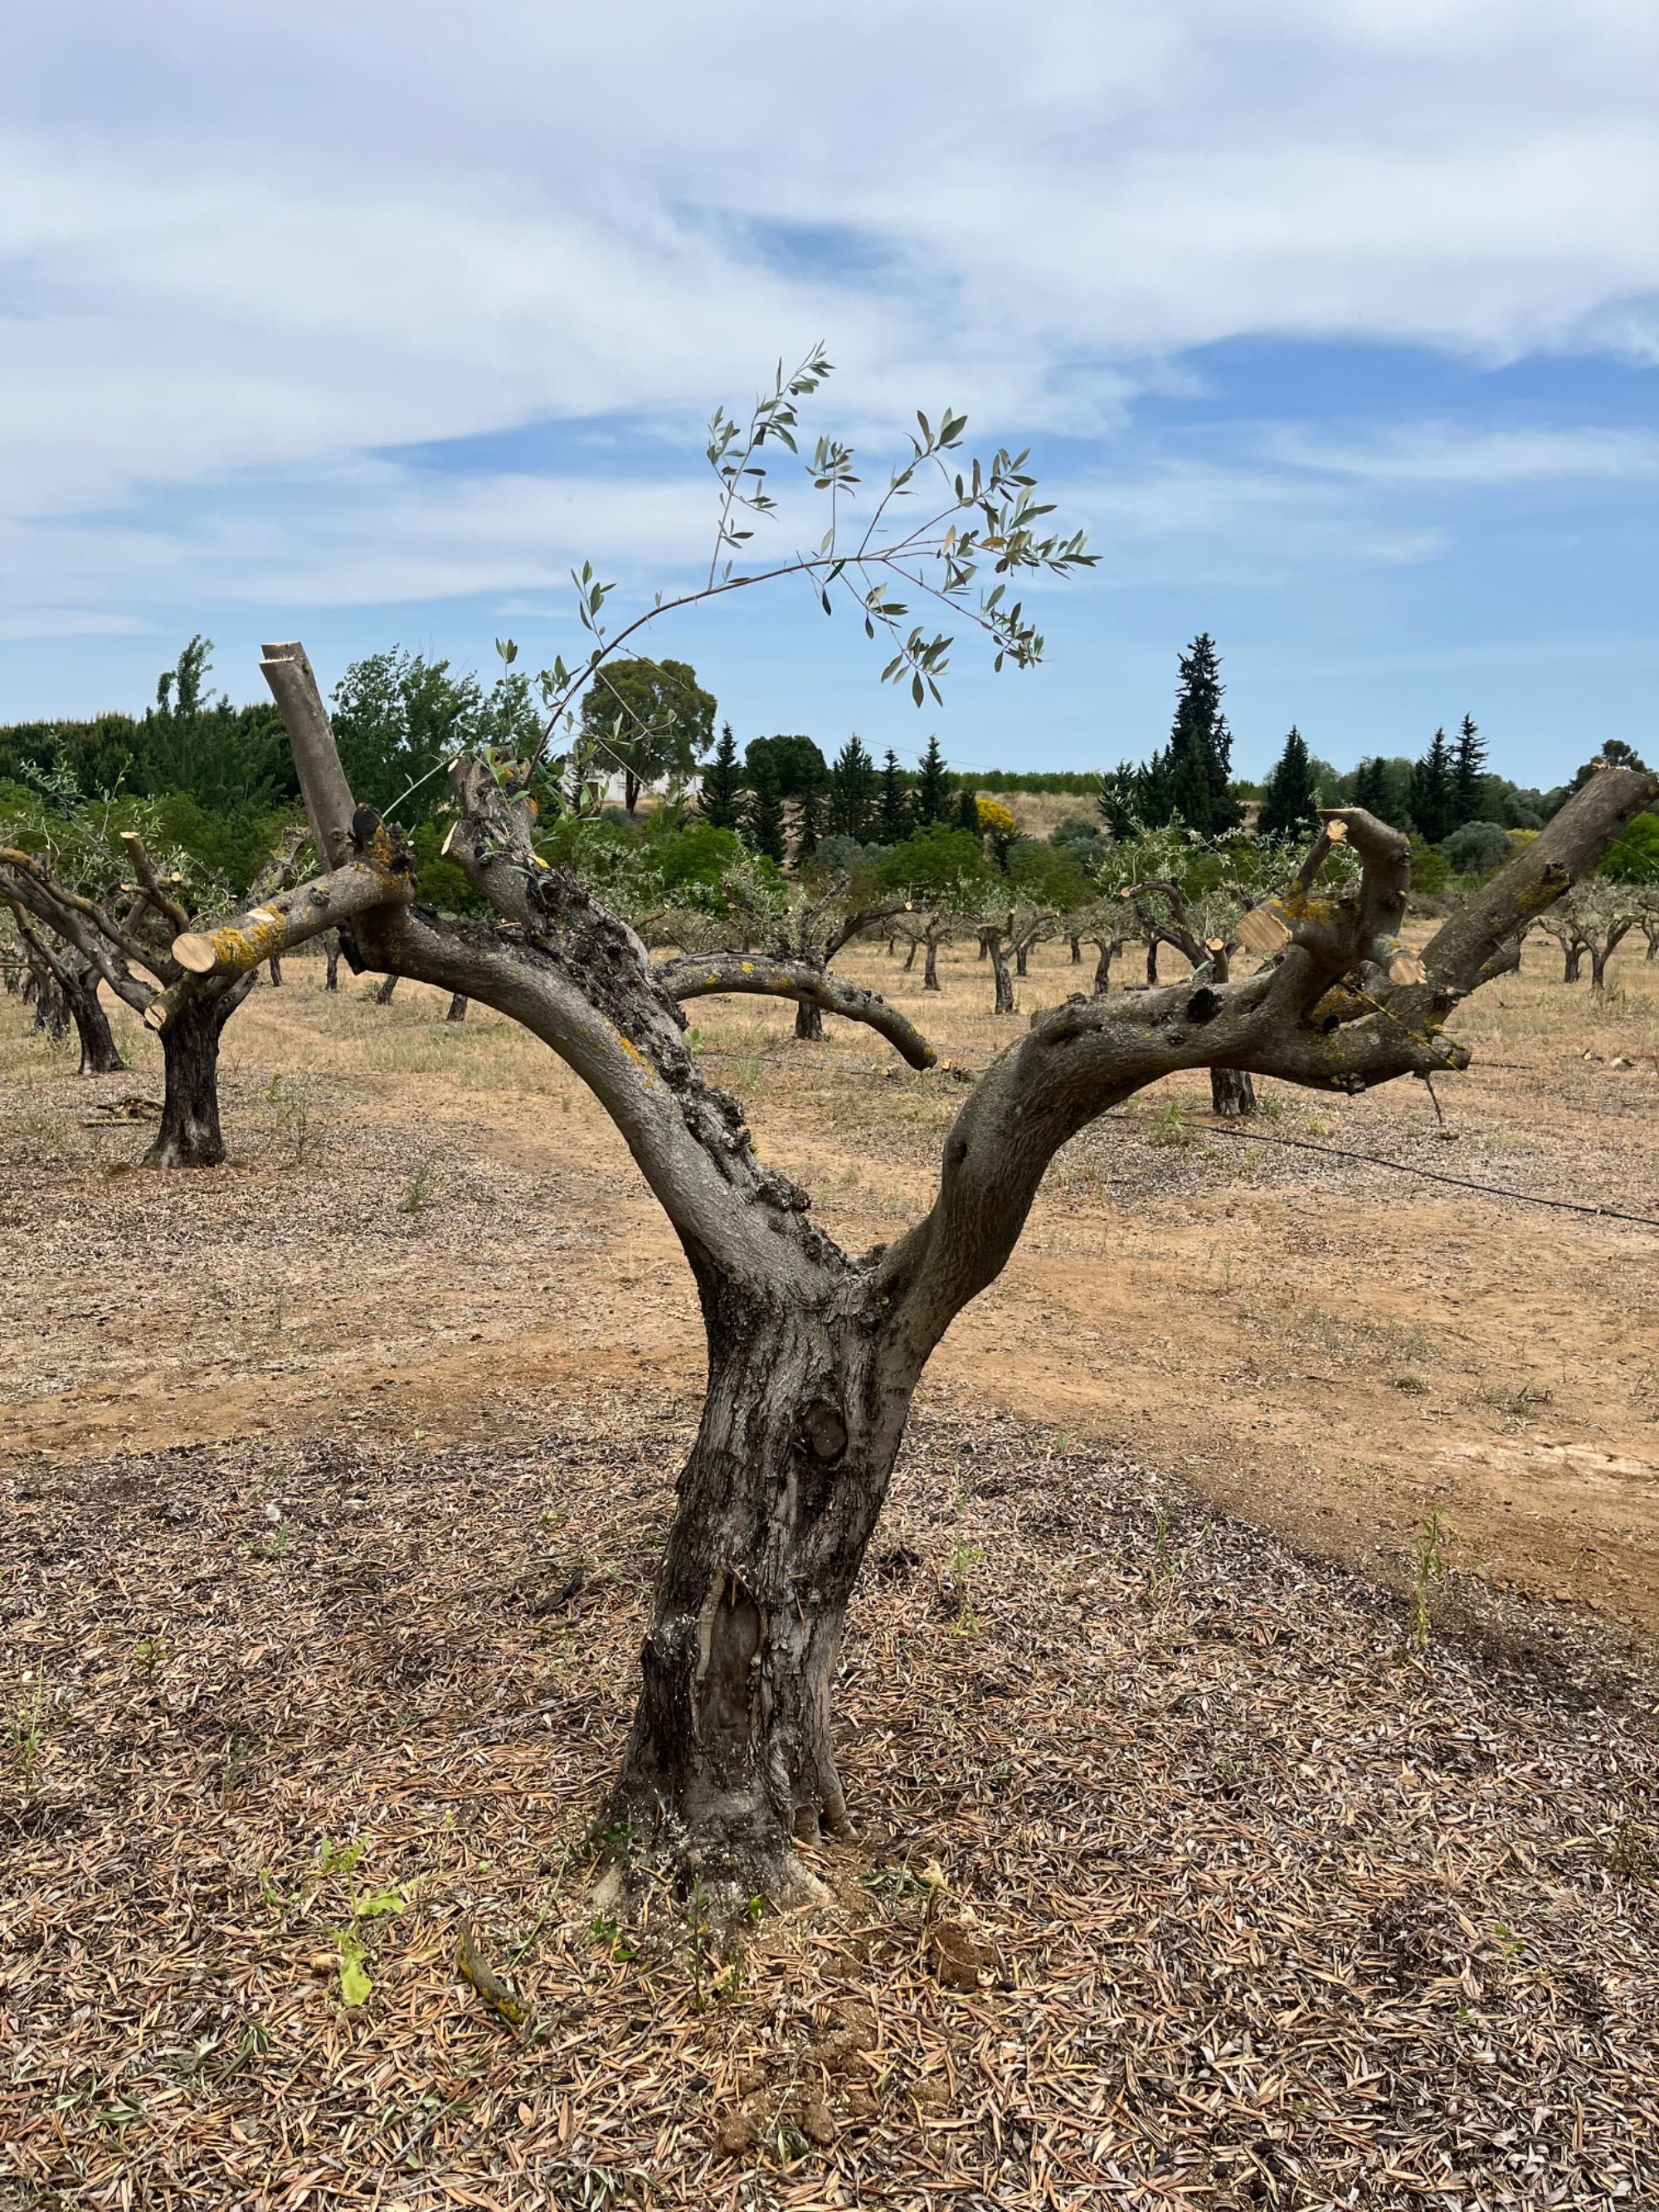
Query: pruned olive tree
<point x="814" y="1353"/>
<point x="131" y="931"/>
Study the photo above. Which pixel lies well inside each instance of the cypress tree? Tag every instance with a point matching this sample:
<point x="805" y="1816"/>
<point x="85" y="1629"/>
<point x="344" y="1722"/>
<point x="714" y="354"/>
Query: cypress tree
<point x="1433" y="798"/>
<point x="1468" y="766"/>
<point x="720" y="800"/>
<point x="852" y="791"/>
<point x="1200" y="758"/>
<point x="1119" y="799"/>
<point x="932" y="798"/>
<point x="1290" y="803"/>
<point x="968" y="810"/>
<point x="763" y="819"/>
<point x="894" y="816"/>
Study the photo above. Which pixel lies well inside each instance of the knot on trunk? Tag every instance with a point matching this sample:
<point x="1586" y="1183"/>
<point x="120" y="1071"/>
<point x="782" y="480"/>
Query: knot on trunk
<point x="822" y="1429"/>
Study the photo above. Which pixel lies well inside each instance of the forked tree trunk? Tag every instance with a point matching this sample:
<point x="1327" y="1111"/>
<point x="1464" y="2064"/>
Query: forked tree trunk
<point x="730" y="1750"/>
<point x="809" y="1022"/>
<point x="190" y="1136"/>
<point x="457" y="1006"/>
<point x="383" y="996"/>
<point x="1232" y="1093"/>
<point x="99" y="1054"/>
<point x="930" y="968"/>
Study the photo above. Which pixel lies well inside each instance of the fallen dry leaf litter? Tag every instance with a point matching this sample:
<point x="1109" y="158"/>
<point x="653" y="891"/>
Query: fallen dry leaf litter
<point x="1241" y="1906"/>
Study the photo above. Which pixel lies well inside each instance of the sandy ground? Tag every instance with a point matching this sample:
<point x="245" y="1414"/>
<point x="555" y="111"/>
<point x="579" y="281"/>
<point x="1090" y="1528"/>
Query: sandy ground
<point x="419" y="1219"/>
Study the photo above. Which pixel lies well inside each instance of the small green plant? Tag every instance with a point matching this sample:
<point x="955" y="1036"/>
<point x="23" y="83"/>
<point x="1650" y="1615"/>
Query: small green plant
<point x="1431" y="1543"/>
<point x="275" y="1544"/>
<point x="26" y="1729"/>
<point x="959" y="1566"/>
<point x="418" y="1188"/>
<point x="1164" y="1565"/>
<point x="150" y="1652"/>
<point x="1169" y="1125"/>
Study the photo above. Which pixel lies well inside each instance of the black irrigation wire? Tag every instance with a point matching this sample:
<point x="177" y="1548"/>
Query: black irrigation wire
<point x="1431" y="1175"/>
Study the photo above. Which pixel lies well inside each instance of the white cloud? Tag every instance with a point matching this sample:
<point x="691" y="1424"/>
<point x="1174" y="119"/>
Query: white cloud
<point x="282" y="239"/>
<point x="1430" y="454"/>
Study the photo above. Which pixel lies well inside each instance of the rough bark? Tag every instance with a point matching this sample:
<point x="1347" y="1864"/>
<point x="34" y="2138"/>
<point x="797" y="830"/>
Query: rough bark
<point x="100" y="1053"/>
<point x="997" y="952"/>
<point x="730" y="1751"/>
<point x="910" y="956"/>
<point x="1151" y="960"/>
<point x="331" y="960"/>
<point x="1077" y="951"/>
<point x="809" y="1022"/>
<point x="189" y="1135"/>
<point x="930" y="966"/>
<point x="1573" y="960"/>
<point x="1232" y="1093"/>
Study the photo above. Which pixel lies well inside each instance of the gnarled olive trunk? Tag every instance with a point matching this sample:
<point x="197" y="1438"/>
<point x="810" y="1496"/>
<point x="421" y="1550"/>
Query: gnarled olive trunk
<point x="1105" y="947"/>
<point x="730" y="1752"/>
<point x="809" y="1022"/>
<point x="1231" y="1093"/>
<point x="100" y="1053"/>
<point x="1022" y="954"/>
<point x="275" y="969"/>
<point x="930" y="967"/>
<point x="910" y="956"/>
<point x="1151" y="960"/>
<point x="1574" y="957"/>
<point x="331" y="957"/>
<point x="1005" y="981"/>
<point x="383" y="996"/>
<point x="190" y="1136"/>
<point x="457" y="1006"/>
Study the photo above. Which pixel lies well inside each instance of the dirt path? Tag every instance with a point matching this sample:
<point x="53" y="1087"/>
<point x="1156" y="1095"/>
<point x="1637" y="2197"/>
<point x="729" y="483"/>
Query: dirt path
<point x="425" y="1222"/>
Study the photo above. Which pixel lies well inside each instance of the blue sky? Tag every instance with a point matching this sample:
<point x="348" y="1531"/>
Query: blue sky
<point x="1336" y="324"/>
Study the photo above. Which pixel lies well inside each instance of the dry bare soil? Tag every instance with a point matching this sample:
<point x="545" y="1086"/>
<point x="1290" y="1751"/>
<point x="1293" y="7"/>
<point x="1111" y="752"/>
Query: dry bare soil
<point x="331" y="1484"/>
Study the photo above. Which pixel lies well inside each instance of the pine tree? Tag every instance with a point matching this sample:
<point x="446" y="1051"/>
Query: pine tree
<point x="967" y="809"/>
<point x="720" y="800"/>
<point x="763" y="818"/>
<point x="1468" y="768"/>
<point x="1201" y="745"/>
<point x="893" y="817"/>
<point x="1290" y="803"/>
<point x="1433" y="798"/>
<point x="933" y="794"/>
<point x="852" y="791"/>
<point x="1371" y="787"/>
<point x="1154" y="800"/>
